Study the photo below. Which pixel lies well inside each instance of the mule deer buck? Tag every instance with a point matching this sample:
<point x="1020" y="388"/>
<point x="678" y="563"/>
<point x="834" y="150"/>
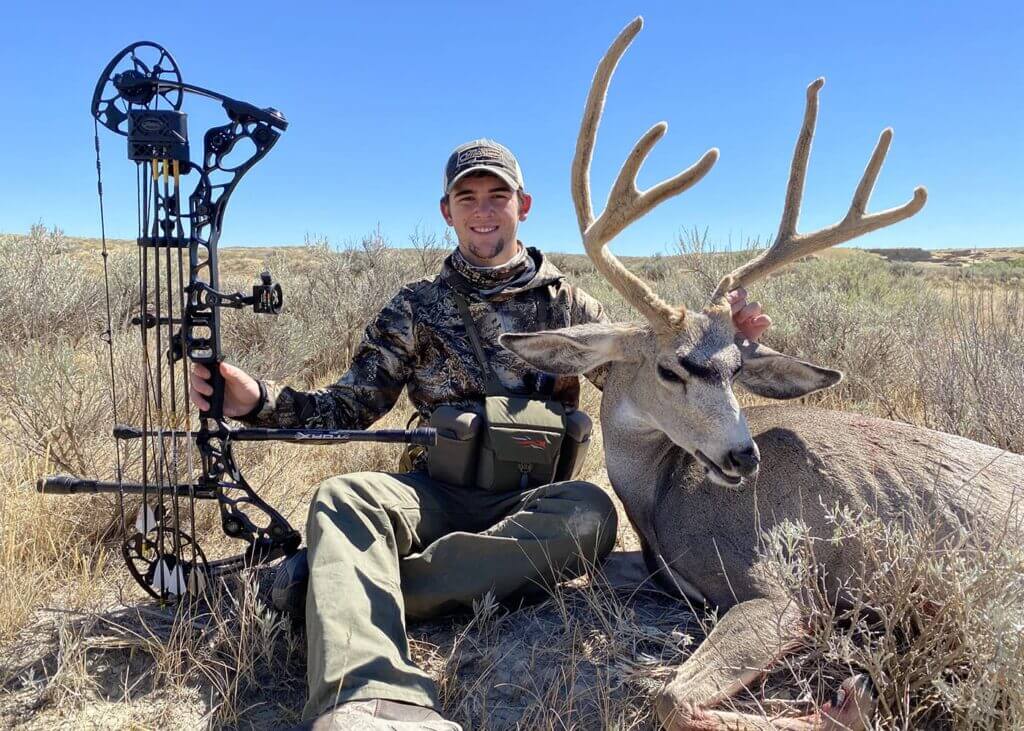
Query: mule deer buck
<point x="701" y="480"/>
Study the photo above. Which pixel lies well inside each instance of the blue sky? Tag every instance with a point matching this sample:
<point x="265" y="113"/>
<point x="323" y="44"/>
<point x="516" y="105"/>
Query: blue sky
<point x="378" y="93"/>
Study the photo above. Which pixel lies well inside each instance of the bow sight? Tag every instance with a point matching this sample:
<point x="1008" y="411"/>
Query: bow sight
<point x="139" y="96"/>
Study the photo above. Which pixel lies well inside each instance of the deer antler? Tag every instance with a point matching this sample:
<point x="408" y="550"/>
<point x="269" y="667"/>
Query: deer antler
<point x="626" y="203"/>
<point x="790" y="245"/>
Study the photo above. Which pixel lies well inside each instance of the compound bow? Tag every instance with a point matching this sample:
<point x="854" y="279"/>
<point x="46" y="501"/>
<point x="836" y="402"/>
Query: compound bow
<point x="139" y="95"/>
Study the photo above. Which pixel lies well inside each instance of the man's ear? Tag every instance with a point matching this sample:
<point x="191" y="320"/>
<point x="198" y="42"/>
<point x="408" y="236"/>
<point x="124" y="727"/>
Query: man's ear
<point x="575" y="350"/>
<point x="771" y="374"/>
<point x="446" y="211"/>
<point x="525" y="202"/>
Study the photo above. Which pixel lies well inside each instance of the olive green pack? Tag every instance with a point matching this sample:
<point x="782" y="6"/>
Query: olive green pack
<point x="517" y="442"/>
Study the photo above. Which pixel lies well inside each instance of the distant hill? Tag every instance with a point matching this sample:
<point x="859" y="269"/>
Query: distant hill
<point x="1000" y="263"/>
<point x="951" y="257"/>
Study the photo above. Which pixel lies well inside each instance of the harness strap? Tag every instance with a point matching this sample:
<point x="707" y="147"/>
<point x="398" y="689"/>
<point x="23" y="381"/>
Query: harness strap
<point x="493" y="385"/>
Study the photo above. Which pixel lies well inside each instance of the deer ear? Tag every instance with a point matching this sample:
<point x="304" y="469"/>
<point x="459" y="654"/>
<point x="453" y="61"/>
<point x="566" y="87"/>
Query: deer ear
<point x="575" y="350"/>
<point x="771" y="374"/>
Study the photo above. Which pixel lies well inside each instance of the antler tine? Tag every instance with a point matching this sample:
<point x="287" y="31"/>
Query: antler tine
<point x="789" y="245"/>
<point x="626" y="203"/>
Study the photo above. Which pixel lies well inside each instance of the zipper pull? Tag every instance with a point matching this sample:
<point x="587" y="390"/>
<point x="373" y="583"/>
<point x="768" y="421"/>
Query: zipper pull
<point x="524" y="476"/>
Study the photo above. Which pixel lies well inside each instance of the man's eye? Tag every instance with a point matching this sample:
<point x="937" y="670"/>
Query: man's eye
<point x="668" y="375"/>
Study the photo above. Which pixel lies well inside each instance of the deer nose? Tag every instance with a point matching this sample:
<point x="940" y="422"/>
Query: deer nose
<point x="745" y="461"/>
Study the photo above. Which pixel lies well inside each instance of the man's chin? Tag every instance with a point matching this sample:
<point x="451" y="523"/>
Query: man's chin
<point x="489" y="254"/>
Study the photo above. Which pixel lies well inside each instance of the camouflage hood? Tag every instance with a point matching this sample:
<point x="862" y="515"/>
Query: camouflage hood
<point x="528" y="270"/>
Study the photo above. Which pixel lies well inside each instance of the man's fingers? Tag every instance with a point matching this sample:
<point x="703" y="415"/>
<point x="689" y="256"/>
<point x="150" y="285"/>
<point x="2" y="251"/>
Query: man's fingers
<point x="201" y="385"/>
<point x="737" y="298"/>
<point x="754" y="328"/>
<point x="198" y="400"/>
<point x="749" y="311"/>
<point x="199" y="381"/>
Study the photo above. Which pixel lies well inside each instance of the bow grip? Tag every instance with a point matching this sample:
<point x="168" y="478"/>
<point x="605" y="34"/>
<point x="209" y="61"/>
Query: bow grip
<point x="216" y="399"/>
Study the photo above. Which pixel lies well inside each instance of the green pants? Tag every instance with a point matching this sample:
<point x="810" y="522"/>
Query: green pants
<point x="386" y="546"/>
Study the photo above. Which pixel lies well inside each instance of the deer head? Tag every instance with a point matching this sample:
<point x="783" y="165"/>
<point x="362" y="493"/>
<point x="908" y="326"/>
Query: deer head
<point x="674" y="371"/>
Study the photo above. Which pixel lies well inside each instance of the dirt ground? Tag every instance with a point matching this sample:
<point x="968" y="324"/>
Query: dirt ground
<point x="590" y="656"/>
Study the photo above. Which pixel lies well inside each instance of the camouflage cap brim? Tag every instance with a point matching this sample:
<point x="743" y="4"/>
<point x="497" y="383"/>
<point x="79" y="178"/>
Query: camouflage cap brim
<point x="497" y="172"/>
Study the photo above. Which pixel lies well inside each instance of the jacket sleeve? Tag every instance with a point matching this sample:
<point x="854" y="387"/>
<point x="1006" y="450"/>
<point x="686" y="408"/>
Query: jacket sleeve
<point x="380" y="368"/>
<point x="586" y="309"/>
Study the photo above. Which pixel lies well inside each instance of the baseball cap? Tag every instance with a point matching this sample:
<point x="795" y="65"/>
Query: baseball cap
<point x="482" y="155"/>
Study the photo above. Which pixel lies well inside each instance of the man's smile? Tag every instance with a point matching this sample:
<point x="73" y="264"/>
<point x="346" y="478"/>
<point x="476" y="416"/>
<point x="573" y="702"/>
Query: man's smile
<point x="483" y="229"/>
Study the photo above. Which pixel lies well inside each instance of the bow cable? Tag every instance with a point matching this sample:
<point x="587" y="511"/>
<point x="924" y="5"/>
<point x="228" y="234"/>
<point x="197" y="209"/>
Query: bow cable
<point x="108" y="336"/>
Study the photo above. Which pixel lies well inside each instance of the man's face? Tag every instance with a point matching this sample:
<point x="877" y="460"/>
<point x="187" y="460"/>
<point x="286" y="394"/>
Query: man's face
<point x="485" y="213"/>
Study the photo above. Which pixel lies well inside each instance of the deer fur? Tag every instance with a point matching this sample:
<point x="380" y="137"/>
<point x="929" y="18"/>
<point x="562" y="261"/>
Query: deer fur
<point x="702" y="480"/>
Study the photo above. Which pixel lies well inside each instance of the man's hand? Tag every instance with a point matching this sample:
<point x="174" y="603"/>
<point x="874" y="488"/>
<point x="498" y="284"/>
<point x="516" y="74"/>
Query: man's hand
<point x="747" y="316"/>
<point x="241" y="392"/>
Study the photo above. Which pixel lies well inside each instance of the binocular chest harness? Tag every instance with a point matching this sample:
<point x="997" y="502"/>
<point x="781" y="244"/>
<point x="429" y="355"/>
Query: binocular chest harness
<point x="517" y="442"/>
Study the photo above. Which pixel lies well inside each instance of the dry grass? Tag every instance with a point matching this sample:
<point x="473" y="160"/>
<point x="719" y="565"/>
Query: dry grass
<point x="942" y="640"/>
<point x="935" y="621"/>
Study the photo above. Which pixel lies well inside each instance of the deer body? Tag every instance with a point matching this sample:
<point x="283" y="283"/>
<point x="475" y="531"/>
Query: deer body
<point x="702" y="480"/>
<point x="812" y="460"/>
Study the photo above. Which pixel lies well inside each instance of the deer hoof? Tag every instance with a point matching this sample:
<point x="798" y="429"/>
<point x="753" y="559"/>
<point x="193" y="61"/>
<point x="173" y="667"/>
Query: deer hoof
<point x="852" y="707"/>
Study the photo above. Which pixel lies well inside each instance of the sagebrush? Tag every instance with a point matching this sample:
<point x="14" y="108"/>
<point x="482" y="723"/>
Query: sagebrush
<point x="942" y="353"/>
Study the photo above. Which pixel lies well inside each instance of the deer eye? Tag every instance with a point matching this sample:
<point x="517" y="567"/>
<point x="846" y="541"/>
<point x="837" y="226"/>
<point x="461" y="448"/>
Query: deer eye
<point x="670" y="376"/>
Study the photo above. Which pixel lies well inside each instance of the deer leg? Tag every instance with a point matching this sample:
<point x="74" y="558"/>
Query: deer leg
<point x="746" y="642"/>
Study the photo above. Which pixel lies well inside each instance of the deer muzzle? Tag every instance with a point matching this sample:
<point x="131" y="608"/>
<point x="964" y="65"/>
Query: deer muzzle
<point x="745" y="461"/>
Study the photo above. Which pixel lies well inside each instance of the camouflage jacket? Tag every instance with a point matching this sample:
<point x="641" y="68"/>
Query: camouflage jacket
<point x="419" y="341"/>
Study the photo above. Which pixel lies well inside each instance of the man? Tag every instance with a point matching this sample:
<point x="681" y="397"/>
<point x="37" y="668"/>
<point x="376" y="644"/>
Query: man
<point x="382" y="547"/>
